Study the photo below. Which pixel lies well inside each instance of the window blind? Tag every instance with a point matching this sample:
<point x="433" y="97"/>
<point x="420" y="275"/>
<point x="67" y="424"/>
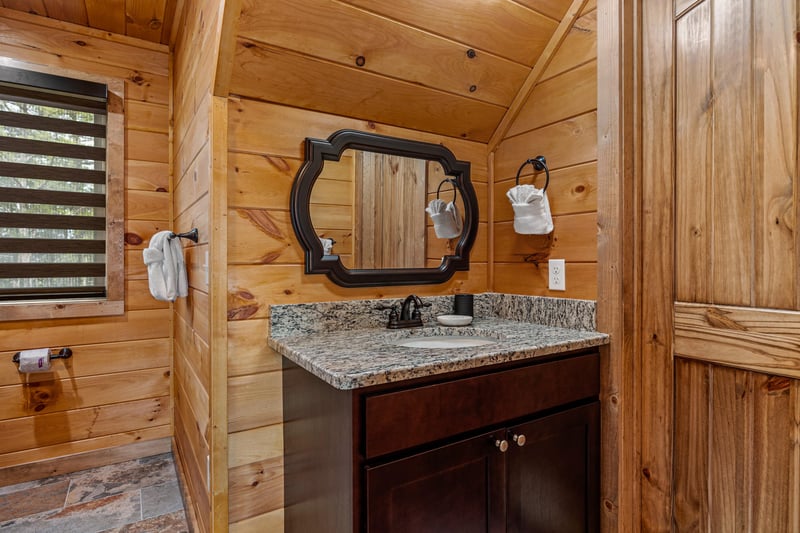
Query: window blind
<point x="52" y="186"/>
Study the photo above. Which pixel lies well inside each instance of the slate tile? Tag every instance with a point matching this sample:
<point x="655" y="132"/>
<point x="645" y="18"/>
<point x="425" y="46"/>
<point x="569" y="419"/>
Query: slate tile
<point x="121" y="477"/>
<point x="33" y="500"/>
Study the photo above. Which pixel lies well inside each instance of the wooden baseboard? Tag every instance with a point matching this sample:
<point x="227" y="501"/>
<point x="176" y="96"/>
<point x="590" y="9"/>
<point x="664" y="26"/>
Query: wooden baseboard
<point x="188" y="504"/>
<point x="81" y="461"/>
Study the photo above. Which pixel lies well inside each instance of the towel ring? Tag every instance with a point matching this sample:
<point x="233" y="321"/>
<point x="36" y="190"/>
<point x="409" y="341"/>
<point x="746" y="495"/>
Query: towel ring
<point x="539" y="163"/>
<point x="451" y="181"/>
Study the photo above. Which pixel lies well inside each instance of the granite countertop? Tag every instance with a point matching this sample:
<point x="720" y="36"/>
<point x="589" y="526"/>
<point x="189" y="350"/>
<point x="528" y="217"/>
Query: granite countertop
<point x="349" y="358"/>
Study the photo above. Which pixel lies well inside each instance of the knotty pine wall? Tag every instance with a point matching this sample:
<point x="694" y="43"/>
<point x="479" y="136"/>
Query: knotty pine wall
<point x="265" y="267"/>
<point x="199" y="348"/>
<point x="559" y="121"/>
<point x="113" y="395"/>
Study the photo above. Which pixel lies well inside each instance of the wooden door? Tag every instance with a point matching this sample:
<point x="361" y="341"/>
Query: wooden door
<point x="458" y="487"/>
<point x="719" y="331"/>
<point x="553" y="479"/>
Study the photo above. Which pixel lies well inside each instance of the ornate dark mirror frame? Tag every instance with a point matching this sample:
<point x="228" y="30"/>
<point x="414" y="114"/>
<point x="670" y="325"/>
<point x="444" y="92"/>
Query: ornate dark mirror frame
<point x="318" y="151"/>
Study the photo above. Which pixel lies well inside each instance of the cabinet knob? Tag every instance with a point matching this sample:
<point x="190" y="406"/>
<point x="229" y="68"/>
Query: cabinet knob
<point x="502" y="445"/>
<point x="519" y="439"/>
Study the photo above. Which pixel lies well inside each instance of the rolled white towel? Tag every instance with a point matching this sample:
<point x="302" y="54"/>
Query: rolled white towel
<point x="166" y="270"/>
<point x="446" y="219"/>
<point x="531" y="210"/>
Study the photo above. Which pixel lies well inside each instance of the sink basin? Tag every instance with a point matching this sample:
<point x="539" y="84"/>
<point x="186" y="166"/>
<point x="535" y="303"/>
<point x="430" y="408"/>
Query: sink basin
<point x="444" y="341"/>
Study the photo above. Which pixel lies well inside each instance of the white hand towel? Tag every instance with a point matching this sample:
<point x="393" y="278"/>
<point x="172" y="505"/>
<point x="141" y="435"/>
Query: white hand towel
<point x="446" y="219"/>
<point x="166" y="270"/>
<point x="531" y="210"/>
<point x="327" y="245"/>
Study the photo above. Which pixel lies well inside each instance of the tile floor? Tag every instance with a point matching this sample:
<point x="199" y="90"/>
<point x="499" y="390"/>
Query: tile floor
<point x="131" y="497"/>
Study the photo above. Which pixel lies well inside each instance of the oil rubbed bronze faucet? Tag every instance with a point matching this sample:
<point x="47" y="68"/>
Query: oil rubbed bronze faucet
<point x="408" y="317"/>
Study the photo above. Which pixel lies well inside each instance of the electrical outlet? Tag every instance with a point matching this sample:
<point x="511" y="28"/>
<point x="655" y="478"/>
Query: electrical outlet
<point x="558" y="275"/>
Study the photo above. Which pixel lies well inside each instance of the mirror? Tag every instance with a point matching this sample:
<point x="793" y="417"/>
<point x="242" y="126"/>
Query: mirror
<point x="358" y="207"/>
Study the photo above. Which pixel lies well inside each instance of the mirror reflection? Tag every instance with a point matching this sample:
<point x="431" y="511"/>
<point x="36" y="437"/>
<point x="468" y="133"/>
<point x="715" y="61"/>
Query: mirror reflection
<point x="385" y="211"/>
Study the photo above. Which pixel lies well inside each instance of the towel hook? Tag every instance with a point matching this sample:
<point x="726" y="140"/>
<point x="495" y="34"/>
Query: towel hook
<point x="192" y="235"/>
<point x="451" y="181"/>
<point x="539" y="163"/>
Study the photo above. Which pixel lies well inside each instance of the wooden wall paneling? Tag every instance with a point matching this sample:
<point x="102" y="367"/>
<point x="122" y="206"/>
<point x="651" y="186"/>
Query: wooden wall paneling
<point x="248" y="352"/>
<point x="573" y="239"/>
<point x="98" y="359"/>
<point x="145" y="205"/>
<point x="254" y="445"/>
<point x="138" y="296"/>
<point x="251" y="288"/>
<point x="775" y="169"/>
<point x="106" y="15"/>
<point x="271" y="521"/>
<point x="144" y="20"/>
<point x="256" y="488"/>
<point x="94" y="45"/>
<point x="58" y="428"/>
<point x="262" y="236"/>
<point x="342" y="33"/>
<point x="657" y="265"/>
<point x="148" y="146"/>
<point x="531" y="278"/>
<point x="555" y="9"/>
<point x="147" y="175"/>
<point x="692" y="452"/>
<point x="566" y="143"/>
<point x="693" y="144"/>
<point x="524" y="92"/>
<point x="56" y="395"/>
<point x="194" y="349"/>
<point x="196" y="258"/>
<point x="248" y="134"/>
<point x="262" y="181"/>
<point x="504" y="28"/>
<point x="146" y="116"/>
<point x="254" y="400"/>
<point x="193" y="472"/>
<point x="437" y="248"/>
<point x="105" y="449"/>
<point x="732" y="240"/>
<point x="134" y="325"/>
<point x="567" y="95"/>
<point x="356" y="93"/>
<point x="579" y="46"/>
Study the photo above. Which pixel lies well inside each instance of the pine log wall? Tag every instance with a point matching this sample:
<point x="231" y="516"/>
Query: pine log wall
<point x="265" y="267"/>
<point x="559" y="121"/>
<point x="199" y="348"/>
<point x="111" y="400"/>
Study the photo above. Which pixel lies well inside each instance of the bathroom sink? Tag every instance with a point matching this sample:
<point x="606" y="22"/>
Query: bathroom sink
<point x="444" y="341"/>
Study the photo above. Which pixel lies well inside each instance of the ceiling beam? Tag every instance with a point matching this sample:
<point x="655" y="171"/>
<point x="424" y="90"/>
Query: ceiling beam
<point x="227" y="47"/>
<point x="536" y="72"/>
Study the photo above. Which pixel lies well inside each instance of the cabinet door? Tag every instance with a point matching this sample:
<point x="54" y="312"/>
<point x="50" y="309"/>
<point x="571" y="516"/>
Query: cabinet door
<point x="553" y="479"/>
<point x="458" y="487"/>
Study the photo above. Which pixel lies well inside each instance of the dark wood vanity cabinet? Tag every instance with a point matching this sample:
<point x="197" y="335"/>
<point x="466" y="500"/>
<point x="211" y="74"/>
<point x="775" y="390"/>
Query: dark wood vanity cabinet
<point x="504" y="448"/>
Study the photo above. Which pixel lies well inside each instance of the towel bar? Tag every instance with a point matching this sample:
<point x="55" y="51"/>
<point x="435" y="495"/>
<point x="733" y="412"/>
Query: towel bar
<point x="63" y="353"/>
<point x="192" y="235"/>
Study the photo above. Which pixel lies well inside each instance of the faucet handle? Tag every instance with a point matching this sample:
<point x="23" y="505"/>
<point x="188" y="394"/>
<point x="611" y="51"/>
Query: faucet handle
<point x="393" y="316"/>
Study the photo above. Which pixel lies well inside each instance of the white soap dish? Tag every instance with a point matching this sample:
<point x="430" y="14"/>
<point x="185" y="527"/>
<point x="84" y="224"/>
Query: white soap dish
<point x="454" y="320"/>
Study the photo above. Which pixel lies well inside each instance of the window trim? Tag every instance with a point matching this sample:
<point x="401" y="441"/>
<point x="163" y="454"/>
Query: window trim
<point x="114" y="301"/>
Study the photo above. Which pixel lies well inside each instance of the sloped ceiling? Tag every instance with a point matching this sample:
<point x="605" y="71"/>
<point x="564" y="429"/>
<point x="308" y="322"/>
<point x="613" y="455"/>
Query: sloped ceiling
<point x="453" y="67"/>
<point x="150" y="20"/>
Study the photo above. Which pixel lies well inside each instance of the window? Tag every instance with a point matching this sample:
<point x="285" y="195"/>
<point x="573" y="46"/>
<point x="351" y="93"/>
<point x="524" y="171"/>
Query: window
<point x="55" y="213"/>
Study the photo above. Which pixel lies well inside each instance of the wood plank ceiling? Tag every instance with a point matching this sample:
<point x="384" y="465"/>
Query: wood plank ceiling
<point x="150" y="20"/>
<point x="451" y="67"/>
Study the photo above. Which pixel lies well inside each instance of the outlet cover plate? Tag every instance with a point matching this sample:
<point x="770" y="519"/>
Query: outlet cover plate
<point x="557" y="274"/>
